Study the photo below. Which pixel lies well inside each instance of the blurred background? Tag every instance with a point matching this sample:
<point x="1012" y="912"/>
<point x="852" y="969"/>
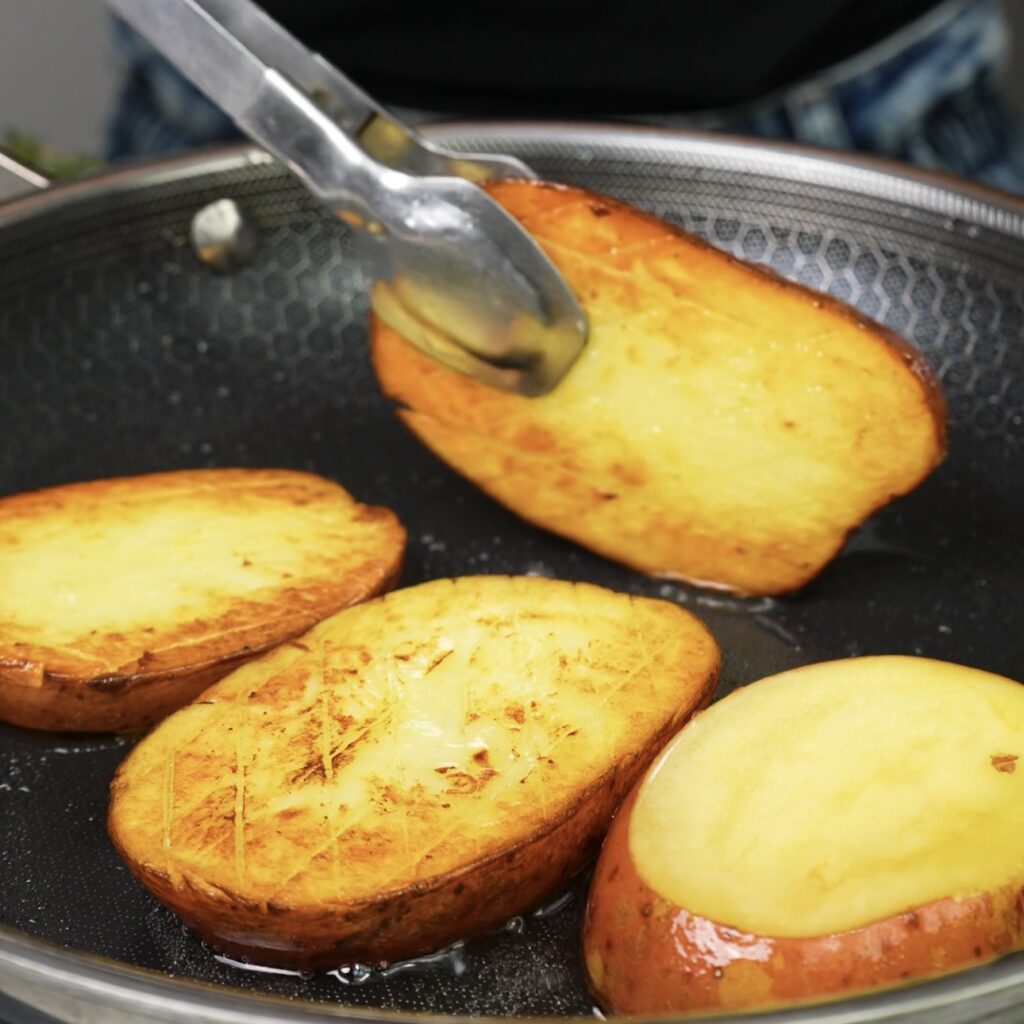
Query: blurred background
<point x="58" y="78"/>
<point x="57" y="74"/>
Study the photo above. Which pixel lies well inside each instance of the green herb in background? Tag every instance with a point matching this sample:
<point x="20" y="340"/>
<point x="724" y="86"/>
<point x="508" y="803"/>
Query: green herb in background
<point x="50" y="162"/>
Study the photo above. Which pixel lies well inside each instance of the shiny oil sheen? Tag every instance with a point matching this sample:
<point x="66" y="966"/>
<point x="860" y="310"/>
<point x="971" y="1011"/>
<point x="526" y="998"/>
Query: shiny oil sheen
<point x="836" y="795"/>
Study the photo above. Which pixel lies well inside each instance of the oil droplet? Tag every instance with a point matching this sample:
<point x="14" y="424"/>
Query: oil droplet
<point x="241" y="965"/>
<point x="539" y="569"/>
<point x="777" y="630"/>
<point x="725" y="603"/>
<point x="453" y="957"/>
<point x="353" y="974"/>
<point x="555" y="906"/>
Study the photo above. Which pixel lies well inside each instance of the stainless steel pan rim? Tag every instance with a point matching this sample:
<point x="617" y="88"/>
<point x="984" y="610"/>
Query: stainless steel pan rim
<point x="871" y="176"/>
<point x="79" y="987"/>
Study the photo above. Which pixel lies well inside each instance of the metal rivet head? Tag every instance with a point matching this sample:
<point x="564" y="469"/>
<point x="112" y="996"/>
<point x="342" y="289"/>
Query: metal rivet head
<point x="222" y="236"/>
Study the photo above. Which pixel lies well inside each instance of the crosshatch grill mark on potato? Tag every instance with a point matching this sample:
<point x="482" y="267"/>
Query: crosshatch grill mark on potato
<point x="428" y="765"/>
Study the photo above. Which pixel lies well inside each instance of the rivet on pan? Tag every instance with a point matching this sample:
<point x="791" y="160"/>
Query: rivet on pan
<point x="222" y="236"/>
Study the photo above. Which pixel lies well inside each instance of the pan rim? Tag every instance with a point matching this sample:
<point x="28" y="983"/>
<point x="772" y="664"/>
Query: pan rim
<point x="36" y="966"/>
<point x="41" y="967"/>
<point x="925" y="189"/>
<point x="879" y="174"/>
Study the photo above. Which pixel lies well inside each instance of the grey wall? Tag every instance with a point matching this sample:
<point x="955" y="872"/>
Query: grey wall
<point x="57" y="79"/>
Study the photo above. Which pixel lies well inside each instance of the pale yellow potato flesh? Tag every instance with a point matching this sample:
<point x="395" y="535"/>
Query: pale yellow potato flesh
<point x="379" y="787"/>
<point x="721" y="425"/>
<point x="836" y="795"/>
<point x="129" y="591"/>
<point x="151" y="557"/>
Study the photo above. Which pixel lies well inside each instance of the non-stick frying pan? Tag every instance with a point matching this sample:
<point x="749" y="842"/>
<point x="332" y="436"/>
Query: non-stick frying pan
<point x="121" y="353"/>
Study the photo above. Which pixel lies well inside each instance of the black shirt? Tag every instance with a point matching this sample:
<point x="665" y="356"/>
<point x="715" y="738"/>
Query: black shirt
<point x="586" y="57"/>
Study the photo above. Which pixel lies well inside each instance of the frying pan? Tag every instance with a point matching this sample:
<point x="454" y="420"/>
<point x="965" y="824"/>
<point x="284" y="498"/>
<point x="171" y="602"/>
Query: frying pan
<point x="121" y="353"/>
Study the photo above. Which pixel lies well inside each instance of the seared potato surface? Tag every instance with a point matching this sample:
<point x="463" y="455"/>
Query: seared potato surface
<point x="121" y="599"/>
<point x="722" y="425"/>
<point x="410" y="772"/>
<point x="833" y="828"/>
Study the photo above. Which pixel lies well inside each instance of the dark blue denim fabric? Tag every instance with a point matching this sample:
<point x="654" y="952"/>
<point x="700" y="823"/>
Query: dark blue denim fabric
<point x="930" y="95"/>
<point x="158" y="111"/>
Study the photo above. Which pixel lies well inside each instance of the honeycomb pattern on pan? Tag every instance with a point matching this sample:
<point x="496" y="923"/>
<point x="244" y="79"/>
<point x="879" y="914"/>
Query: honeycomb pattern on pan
<point x="119" y="353"/>
<point x="301" y="305"/>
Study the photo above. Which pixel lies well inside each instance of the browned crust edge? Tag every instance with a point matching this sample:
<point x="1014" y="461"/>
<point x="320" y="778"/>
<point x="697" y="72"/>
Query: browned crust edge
<point x="426" y="915"/>
<point x="892" y="343"/>
<point x="645" y="955"/>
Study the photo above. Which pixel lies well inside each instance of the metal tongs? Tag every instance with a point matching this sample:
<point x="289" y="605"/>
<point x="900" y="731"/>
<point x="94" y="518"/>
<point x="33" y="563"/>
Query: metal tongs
<point x="453" y="272"/>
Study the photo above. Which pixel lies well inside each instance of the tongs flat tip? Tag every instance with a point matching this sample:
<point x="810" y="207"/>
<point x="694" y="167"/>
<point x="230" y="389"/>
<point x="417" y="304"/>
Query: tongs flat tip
<point x="507" y="315"/>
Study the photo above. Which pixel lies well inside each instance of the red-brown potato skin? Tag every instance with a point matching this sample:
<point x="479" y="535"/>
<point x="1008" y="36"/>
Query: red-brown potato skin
<point x="408" y="921"/>
<point x="645" y="955"/>
<point x="118" y="703"/>
<point x="414" y="921"/>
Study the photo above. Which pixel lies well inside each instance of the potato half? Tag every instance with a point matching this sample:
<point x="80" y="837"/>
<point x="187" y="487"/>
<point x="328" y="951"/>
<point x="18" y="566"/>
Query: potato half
<point x="722" y="426"/>
<point x="412" y="771"/>
<point x="842" y="826"/>
<point x="122" y="599"/>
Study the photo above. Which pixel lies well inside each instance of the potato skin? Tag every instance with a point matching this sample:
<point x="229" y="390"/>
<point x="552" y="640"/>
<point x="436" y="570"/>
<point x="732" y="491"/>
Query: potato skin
<point x="418" y="902"/>
<point x="415" y="920"/>
<point x="843" y="415"/>
<point x="126" y="680"/>
<point x="645" y="955"/>
<point x="117" y="703"/>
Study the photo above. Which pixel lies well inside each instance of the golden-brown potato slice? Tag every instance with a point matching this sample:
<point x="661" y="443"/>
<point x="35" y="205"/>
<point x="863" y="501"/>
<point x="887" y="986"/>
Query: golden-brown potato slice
<point x="841" y="826"/>
<point x="122" y="599"/>
<point x="722" y="426"/>
<point x="410" y="772"/>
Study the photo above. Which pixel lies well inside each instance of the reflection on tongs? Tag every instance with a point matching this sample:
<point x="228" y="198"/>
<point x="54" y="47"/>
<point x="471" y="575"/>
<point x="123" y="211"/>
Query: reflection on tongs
<point x="454" y="273"/>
